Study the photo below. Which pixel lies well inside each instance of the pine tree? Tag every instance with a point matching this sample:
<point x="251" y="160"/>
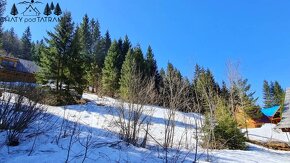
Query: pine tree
<point x="172" y="92"/>
<point x="11" y="43"/>
<point x="86" y="40"/>
<point x="127" y="73"/>
<point x="52" y="6"/>
<point x="2" y="9"/>
<point x="26" y="45"/>
<point x="36" y="51"/>
<point x="55" y="58"/>
<point x="47" y="10"/>
<point x="110" y="72"/>
<point x="247" y="101"/>
<point x="95" y="35"/>
<point x="57" y="10"/>
<point x="205" y="87"/>
<point x="101" y="53"/>
<point x="225" y="94"/>
<point x="121" y="56"/>
<point x="76" y="65"/>
<point x="87" y="50"/>
<point x="97" y="56"/>
<point x="278" y="94"/>
<point x="139" y="59"/>
<point x="268" y="100"/>
<point x="14" y="10"/>
<point x="107" y="41"/>
<point x="226" y="131"/>
<point x="126" y="46"/>
<point x="151" y="68"/>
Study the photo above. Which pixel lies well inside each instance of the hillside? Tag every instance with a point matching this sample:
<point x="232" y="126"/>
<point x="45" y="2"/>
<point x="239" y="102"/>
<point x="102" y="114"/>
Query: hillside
<point x="95" y="121"/>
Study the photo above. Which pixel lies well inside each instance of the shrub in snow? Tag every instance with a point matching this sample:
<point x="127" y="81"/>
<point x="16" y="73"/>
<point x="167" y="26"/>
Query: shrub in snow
<point x="57" y="98"/>
<point x="17" y="112"/>
<point x="225" y="131"/>
<point x="133" y="118"/>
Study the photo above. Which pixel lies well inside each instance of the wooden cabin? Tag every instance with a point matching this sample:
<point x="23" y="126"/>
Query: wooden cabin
<point x="284" y="125"/>
<point x="17" y="70"/>
<point x="273" y="114"/>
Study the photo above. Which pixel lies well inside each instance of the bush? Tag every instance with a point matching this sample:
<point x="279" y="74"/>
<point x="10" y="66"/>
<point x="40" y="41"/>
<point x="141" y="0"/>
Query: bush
<point x="17" y="112"/>
<point x="60" y="97"/>
<point x="227" y="134"/>
<point x="55" y="98"/>
<point x="223" y="132"/>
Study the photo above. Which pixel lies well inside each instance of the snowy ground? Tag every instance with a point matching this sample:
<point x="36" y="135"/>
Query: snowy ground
<point x="268" y="132"/>
<point x="96" y="119"/>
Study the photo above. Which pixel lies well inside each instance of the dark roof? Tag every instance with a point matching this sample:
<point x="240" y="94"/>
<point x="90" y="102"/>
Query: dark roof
<point x="27" y="66"/>
<point x="23" y="65"/>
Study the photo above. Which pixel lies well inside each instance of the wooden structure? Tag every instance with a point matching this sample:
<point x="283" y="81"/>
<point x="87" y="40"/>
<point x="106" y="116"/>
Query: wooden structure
<point x="284" y="125"/>
<point x="273" y="114"/>
<point x="17" y="70"/>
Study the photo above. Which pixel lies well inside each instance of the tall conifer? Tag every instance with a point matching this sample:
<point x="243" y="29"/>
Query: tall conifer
<point x="110" y="72"/>
<point x="26" y="45"/>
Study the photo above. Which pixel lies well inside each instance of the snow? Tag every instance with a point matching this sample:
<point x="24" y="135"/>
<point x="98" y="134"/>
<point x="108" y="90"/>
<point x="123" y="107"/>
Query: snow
<point x="96" y="119"/>
<point x="268" y="132"/>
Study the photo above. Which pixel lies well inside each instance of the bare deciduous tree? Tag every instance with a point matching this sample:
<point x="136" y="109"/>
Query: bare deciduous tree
<point x="133" y="116"/>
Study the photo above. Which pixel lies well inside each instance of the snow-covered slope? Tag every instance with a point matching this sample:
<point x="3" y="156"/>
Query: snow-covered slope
<point x="96" y="120"/>
<point x="268" y="132"/>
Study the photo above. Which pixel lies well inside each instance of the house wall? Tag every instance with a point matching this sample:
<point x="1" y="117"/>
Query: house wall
<point x="14" y="76"/>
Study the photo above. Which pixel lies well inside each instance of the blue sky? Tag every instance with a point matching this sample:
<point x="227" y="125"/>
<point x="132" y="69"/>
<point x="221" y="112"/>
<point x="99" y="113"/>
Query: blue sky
<point x="210" y="33"/>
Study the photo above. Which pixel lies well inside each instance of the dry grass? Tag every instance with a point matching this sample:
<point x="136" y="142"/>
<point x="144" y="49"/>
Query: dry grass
<point x="272" y="145"/>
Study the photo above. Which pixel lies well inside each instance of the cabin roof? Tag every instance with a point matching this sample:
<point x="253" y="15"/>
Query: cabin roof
<point x="285" y="121"/>
<point x="270" y="112"/>
<point x="23" y="65"/>
<point x="27" y="66"/>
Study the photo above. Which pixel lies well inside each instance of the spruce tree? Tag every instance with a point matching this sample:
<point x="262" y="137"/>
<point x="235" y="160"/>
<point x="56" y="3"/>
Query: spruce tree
<point x="121" y="56"/>
<point x="55" y="58"/>
<point x="126" y="46"/>
<point x="226" y="131"/>
<point x="107" y="41"/>
<point x="205" y="87"/>
<point x="76" y="65"/>
<point x="110" y="72"/>
<point x="127" y="73"/>
<point x="36" y="51"/>
<point x="268" y="100"/>
<point x="173" y="84"/>
<point x="96" y="54"/>
<point x="57" y="10"/>
<point x="95" y="35"/>
<point x="151" y="68"/>
<point x="247" y="101"/>
<point x="139" y="59"/>
<point x="26" y="45"/>
<point x="14" y="10"/>
<point x="86" y="40"/>
<point x="278" y="94"/>
<point x="225" y="94"/>
<point x="2" y="9"/>
<point x="47" y="10"/>
<point x="33" y="51"/>
<point x="11" y="43"/>
<point x="101" y="53"/>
